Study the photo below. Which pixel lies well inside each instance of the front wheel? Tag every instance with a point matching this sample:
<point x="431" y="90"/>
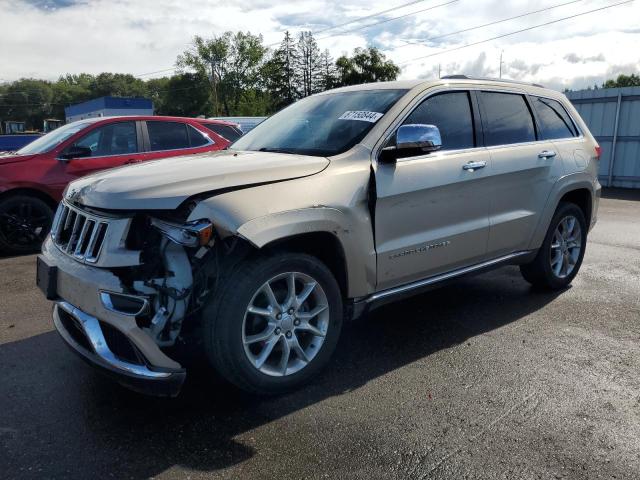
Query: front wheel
<point x="24" y="223"/>
<point x="276" y="323"/>
<point x="562" y="251"/>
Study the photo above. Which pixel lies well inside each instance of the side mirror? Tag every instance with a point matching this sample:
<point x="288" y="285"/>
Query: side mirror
<point x="413" y="140"/>
<point x="75" y="151"/>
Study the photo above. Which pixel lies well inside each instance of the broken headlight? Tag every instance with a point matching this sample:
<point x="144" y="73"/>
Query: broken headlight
<point x="192" y="234"/>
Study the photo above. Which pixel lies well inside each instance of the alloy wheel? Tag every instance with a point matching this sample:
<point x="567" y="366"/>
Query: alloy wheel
<point x="285" y="324"/>
<point x="24" y="225"/>
<point x="566" y="246"/>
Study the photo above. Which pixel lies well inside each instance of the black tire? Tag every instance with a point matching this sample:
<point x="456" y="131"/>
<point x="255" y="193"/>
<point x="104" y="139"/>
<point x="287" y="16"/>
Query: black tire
<point x="223" y="322"/>
<point x="25" y="222"/>
<point x="539" y="272"/>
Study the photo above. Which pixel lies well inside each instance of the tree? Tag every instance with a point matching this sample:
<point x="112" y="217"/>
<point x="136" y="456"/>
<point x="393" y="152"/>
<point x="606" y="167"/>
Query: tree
<point x="366" y="65"/>
<point x="231" y="63"/>
<point x="278" y="74"/>
<point x="632" y="80"/>
<point x="184" y="95"/>
<point x="308" y="71"/>
<point x="329" y="75"/>
<point x="28" y="100"/>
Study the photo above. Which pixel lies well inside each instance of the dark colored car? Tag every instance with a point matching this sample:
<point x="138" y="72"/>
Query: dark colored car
<point x="33" y="178"/>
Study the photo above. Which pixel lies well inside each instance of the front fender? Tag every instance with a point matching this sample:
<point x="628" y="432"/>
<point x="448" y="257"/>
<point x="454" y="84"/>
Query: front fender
<point x="359" y="252"/>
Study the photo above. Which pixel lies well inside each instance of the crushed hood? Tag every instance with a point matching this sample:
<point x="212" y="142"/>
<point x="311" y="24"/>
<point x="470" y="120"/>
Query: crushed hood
<point x="165" y="184"/>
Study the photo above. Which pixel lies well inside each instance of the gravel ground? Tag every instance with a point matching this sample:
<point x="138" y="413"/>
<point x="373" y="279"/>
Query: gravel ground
<point x="481" y="379"/>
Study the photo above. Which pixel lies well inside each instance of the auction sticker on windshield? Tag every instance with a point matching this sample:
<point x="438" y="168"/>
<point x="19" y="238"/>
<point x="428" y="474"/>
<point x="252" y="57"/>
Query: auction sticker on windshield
<point x="362" y="115"/>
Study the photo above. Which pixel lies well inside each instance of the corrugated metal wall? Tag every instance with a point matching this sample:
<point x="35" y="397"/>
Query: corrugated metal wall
<point x="613" y="116"/>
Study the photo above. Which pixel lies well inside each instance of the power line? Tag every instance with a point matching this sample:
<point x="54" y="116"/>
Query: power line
<point x="362" y="27"/>
<point x="368" y="16"/>
<point x="437" y="37"/>
<point x="513" y="33"/>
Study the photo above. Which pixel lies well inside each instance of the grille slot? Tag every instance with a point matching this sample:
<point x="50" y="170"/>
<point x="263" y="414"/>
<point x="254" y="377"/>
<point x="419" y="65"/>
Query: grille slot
<point x="78" y="234"/>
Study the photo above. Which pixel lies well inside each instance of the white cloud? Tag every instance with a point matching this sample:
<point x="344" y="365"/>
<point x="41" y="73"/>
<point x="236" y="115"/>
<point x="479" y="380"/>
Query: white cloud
<point x="47" y="38"/>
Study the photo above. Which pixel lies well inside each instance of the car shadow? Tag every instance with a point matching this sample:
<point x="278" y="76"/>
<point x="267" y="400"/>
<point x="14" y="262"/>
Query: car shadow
<point x="60" y="419"/>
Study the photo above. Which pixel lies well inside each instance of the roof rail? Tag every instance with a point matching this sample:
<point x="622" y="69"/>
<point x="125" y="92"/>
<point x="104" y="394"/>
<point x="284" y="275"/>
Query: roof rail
<point x="467" y="77"/>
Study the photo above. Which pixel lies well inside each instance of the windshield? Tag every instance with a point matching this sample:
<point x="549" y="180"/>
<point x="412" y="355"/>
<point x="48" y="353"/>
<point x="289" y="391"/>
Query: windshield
<point x="52" y="139"/>
<point x="321" y="125"/>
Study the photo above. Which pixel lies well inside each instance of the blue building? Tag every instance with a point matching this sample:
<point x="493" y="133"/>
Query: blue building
<point x="109" y="107"/>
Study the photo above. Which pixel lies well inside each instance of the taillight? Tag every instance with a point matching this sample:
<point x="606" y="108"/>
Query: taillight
<point x="598" y="151"/>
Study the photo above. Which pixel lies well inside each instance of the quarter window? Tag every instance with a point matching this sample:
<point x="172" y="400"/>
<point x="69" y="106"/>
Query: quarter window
<point x="167" y="135"/>
<point x="451" y="113"/>
<point x="196" y="139"/>
<point x="554" y="119"/>
<point x="506" y="119"/>
<point x="111" y="139"/>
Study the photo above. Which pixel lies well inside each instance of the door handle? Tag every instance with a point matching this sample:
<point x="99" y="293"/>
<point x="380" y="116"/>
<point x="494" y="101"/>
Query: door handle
<point x="133" y="160"/>
<point x="547" y="154"/>
<point x="471" y="166"/>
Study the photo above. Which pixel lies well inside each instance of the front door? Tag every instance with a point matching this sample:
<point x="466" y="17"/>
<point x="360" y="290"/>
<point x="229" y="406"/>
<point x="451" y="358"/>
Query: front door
<point x="432" y="210"/>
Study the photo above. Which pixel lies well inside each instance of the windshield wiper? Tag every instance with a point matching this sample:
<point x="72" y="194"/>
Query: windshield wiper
<point x="276" y="150"/>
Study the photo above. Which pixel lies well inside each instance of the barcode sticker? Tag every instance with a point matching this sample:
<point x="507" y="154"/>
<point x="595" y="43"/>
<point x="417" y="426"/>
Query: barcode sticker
<point x="362" y="115"/>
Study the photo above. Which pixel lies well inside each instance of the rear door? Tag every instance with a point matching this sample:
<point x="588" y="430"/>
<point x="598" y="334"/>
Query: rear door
<point x="110" y="145"/>
<point x="557" y="126"/>
<point x="525" y="167"/>
<point x="432" y="211"/>
<point x="163" y="139"/>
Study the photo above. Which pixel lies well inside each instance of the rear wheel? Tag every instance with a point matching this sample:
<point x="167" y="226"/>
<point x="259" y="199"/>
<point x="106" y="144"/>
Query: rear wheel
<point x="276" y="324"/>
<point x="25" y="221"/>
<point x="560" y="257"/>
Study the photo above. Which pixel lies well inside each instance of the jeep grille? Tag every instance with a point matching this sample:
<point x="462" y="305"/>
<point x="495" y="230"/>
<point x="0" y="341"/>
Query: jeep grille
<point x="78" y="234"/>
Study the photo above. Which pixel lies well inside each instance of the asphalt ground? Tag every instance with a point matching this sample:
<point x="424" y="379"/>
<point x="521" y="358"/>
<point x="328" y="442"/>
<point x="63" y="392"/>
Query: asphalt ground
<point x="484" y="378"/>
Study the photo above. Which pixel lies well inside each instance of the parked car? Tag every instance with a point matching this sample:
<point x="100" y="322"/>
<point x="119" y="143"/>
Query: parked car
<point x="33" y="178"/>
<point x="339" y="203"/>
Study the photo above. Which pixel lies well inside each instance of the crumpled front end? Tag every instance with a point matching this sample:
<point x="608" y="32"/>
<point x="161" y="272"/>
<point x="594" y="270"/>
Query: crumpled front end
<point x="122" y="289"/>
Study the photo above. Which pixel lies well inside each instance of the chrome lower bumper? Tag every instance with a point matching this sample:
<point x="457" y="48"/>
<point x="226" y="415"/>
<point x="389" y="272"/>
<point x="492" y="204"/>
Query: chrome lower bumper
<point x="84" y="335"/>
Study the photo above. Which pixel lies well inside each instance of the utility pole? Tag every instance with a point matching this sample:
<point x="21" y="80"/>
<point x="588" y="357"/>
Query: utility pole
<point x="501" y="52"/>
<point x="439" y="72"/>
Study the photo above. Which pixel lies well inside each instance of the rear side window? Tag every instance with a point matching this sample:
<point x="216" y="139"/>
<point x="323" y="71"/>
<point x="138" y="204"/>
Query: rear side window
<point x="554" y="119"/>
<point x="167" y="135"/>
<point x="196" y="139"/>
<point x="506" y="119"/>
<point x="451" y="113"/>
<point x="225" y="131"/>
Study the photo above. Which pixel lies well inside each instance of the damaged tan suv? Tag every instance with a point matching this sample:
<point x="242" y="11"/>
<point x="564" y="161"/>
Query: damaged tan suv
<point x="339" y="203"/>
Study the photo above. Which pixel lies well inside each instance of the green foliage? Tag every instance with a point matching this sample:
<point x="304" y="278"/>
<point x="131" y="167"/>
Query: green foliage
<point x="227" y="75"/>
<point x="232" y="64"/>
<point x="364" y="66"/>
<point x="632" y="80"/>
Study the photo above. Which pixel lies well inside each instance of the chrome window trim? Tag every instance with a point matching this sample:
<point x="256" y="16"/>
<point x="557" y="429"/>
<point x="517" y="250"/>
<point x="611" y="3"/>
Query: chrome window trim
<point x="424" y="95"/>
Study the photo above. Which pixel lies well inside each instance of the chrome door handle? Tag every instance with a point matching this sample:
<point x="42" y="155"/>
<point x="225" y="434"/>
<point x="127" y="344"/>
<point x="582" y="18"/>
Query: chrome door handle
<point x="471" y="166"/>
<point x="547" y="154"/>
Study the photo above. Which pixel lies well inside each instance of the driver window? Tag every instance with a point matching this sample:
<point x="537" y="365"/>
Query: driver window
<point x="451" y="113"/>
<point x="112" y="139"/>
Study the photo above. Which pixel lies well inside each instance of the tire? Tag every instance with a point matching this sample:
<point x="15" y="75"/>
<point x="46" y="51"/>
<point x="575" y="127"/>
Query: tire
<point x="25" y="222"/>
<point x="238" y="341"/>
<point x="558" y="261"/>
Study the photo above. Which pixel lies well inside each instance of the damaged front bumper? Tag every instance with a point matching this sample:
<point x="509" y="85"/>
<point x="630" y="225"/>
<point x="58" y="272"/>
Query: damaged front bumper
<point x="108" y="339"/>
<point x="84" y="335"/>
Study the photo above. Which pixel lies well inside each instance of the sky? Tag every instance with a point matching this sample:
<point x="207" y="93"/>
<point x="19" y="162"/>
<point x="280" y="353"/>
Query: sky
<point x="49" y="38"/>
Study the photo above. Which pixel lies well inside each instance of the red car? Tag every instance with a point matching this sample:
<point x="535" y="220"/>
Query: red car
<point x="33" y="178"/>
